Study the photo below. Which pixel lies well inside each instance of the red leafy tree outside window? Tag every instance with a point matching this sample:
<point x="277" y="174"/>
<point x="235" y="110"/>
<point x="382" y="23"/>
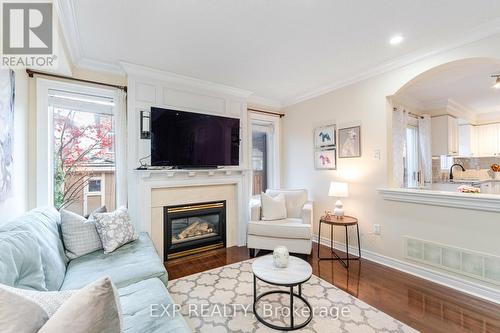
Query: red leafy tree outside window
<point x="81" y="139"/>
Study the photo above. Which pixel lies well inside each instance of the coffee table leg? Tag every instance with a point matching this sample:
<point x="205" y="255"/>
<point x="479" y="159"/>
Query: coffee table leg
<point x="291" y="307"/>
<point x="254" y="289"/>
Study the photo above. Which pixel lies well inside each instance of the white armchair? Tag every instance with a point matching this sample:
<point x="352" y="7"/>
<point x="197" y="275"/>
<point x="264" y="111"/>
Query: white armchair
<point x="294" y="232"/>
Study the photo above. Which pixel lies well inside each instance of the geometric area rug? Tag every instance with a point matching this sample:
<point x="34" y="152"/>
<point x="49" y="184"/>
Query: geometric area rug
<point x="220" y="300"/>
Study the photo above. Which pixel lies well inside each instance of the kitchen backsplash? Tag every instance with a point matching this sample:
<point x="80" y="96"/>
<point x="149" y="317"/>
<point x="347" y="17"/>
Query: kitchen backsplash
<point x="480" y="164"/>
<point x="477" y="162"/>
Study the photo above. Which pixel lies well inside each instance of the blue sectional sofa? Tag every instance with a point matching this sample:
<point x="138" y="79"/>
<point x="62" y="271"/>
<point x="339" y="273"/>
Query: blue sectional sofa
<point x="32" y="257"/>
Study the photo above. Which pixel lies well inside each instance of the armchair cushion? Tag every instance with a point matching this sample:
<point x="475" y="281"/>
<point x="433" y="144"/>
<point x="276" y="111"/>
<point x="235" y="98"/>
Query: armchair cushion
<point x="295" y="200"/>
<point x="273" y="207"/>
<point x="285" y="228"/>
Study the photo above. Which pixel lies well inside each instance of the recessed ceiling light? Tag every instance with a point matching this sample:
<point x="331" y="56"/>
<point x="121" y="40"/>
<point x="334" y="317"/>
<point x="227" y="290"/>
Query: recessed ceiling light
<point x="395" y="40"/>
<point x="497" y="83"/>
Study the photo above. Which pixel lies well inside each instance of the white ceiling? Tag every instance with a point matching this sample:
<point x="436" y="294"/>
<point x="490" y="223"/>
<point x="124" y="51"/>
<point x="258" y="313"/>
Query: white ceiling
<point x="466" y="82"/>
<point x="284" y="50"/>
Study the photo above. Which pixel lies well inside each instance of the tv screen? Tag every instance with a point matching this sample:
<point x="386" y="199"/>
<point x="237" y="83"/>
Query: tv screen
<point x="186" y="139"/>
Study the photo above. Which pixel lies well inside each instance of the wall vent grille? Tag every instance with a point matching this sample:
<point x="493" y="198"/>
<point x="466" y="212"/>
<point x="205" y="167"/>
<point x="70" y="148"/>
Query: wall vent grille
<point x="477" y="265"/>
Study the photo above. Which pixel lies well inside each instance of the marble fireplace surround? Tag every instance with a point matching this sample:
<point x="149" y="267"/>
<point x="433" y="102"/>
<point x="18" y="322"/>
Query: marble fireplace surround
<point x="169" y="188"/>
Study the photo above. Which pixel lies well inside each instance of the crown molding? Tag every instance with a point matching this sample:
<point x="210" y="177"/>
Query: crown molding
<point x="174" y="78"/>
<point x="66" y="12"/>
<point x="462" y="111"/>
<point x="100" y="66"/>
<point x="481" y="32"/>
<point x="264" y="102"/>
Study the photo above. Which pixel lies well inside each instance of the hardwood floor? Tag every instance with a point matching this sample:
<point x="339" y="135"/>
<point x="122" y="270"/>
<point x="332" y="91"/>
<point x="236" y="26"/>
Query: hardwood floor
<point x="426" y="306"/>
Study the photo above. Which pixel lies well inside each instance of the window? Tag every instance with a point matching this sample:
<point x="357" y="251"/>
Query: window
<point x="259" y="160"/>
<point x="411" y="157"/>
<point x="94" y="185"/>
<point x="264" y="152"/>
<point x="83" y="151"/>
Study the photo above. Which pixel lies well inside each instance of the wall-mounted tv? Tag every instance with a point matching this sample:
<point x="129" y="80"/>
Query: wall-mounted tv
<point x="186" y="139"/>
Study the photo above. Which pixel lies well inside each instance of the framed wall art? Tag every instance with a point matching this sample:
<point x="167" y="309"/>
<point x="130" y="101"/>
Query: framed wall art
<point x="324" y="136"/>
<point x="325" y="159"/>
<point x="350" y="142"/>
<point x="7" y="92"/>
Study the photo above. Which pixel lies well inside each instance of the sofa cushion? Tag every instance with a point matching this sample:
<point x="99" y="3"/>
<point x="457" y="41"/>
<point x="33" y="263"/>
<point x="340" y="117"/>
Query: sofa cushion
<point x="295" y="200"/>
<point x="21" y="261"/>
<point x="130" y="263"/>
<point x="285" y="228"/>
<point x="142" y="309"/>
<point x="44" y="224"/>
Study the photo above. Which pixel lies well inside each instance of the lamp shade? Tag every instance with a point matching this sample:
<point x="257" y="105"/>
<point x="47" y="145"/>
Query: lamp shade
<point x="338" y="189"/>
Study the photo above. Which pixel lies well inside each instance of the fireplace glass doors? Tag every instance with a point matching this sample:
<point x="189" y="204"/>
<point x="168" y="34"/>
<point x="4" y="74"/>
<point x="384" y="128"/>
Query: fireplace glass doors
<point x="194" y="228"/>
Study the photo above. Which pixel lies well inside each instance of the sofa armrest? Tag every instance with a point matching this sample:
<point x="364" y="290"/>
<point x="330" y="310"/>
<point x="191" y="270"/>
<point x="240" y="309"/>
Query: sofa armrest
<point x="255" y="207"/>
<point x="307" y="213"/>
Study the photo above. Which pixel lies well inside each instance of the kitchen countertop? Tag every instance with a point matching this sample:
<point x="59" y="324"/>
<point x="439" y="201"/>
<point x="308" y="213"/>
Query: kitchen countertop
<point x="469" y="181"/>
<point x="475" y="201"/>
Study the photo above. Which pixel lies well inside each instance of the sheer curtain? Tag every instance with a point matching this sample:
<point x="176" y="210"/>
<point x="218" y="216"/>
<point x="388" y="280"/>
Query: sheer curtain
<point x="399" y="125"/>
<point x="120" y="112"/>
<point x="424" y="140"/>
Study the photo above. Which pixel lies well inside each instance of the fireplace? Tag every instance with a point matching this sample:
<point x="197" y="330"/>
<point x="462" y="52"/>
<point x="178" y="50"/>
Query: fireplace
<point x="194" y="228"/>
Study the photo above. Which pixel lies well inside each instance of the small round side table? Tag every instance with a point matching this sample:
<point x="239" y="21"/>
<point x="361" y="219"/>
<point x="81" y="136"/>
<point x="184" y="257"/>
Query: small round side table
<point x="295" y="274"/>
<point x="344" y="221"/>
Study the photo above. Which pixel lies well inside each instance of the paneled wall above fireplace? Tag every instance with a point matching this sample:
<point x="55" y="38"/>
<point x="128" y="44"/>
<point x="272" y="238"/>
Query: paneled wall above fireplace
<point x="149" y="87"/>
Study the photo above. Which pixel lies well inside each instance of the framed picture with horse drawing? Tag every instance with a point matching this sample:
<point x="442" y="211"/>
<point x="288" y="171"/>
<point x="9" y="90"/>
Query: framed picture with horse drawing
<point x="325" y="159"/>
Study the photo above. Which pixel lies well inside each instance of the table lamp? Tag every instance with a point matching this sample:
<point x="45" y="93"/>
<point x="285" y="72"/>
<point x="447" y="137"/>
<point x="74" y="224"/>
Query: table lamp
<point x="338" y="190"/>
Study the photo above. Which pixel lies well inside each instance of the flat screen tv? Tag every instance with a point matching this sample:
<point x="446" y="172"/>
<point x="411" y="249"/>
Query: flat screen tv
<point x="186" y="139"/>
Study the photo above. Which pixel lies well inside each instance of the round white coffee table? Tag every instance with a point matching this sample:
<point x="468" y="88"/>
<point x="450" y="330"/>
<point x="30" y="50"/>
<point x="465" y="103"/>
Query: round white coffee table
<point x="297" y="272"/>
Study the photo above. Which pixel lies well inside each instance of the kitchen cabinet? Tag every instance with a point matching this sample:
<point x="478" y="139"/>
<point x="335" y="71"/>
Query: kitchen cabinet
<point x="444" y="135"/>
<point x="467" y="140"/>
<point x="488" y="139"/>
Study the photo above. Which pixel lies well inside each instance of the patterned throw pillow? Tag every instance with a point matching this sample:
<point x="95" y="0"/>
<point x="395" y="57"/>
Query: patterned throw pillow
<point x="27" y="310"/>
<point x="115" y="229"/>
<point x="79" y="234"/>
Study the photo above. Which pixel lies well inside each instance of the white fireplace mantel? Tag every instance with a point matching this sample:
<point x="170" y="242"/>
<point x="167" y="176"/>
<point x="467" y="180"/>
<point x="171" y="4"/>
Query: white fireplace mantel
<point x="157" y="180"/>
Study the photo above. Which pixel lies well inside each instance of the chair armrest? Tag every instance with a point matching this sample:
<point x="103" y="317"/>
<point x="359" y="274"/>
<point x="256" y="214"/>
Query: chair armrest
<point x="307" y="213"/>
<point x="255" y="207"/>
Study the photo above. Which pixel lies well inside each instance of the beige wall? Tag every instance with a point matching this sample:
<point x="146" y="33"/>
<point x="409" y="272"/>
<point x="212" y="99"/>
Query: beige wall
<point x="365" y="103"/>
<point x="18" y="202"/>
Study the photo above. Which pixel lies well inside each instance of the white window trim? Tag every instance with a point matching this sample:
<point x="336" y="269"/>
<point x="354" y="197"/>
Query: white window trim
<point x="43" y="184"/>
<point x="273" y="151"/>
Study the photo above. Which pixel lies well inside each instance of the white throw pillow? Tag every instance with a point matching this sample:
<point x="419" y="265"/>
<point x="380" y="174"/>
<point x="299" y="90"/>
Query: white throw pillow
<point x="79" y="234"/>
<point x="273" y="208"/>
<point x="26" y="311"/>
<point x="93" y="309"/>
<point x="115" y="229"/>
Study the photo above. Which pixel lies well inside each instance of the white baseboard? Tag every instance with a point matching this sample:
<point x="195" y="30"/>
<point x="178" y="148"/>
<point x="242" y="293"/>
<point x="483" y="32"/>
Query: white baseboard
<point x="474" y="289"/>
